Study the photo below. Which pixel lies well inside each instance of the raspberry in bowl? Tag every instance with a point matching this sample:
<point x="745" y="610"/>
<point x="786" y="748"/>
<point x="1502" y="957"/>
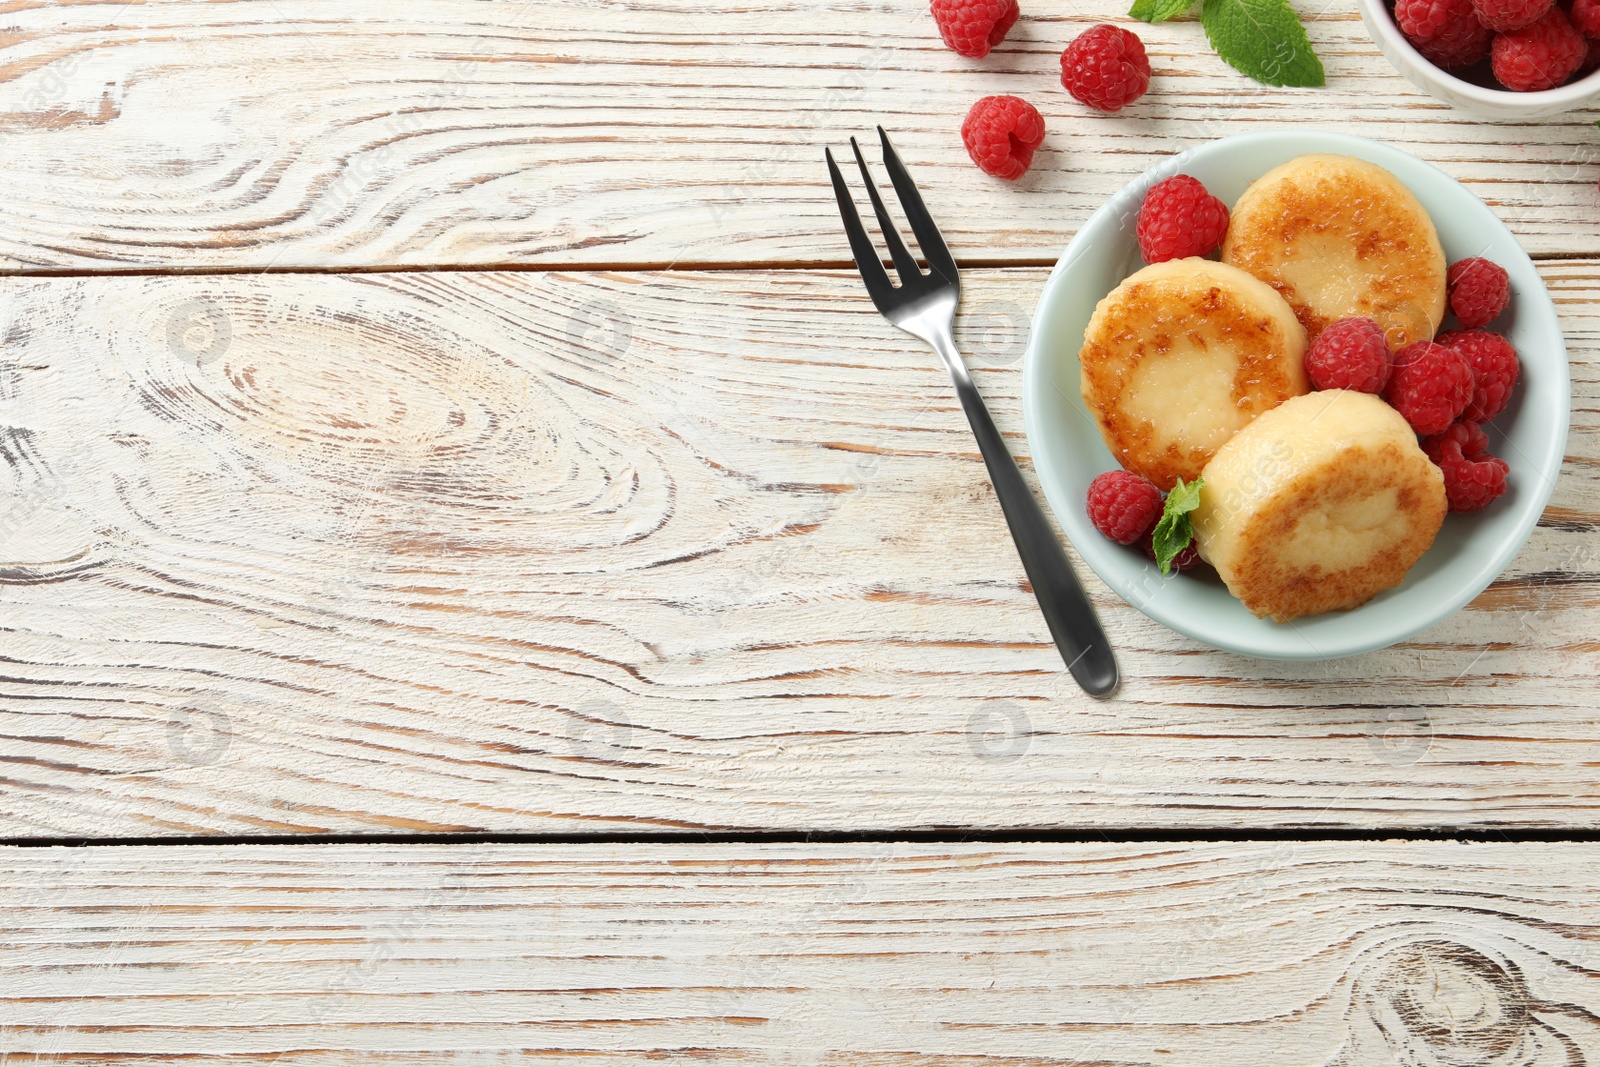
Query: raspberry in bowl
<point x="1450" y="49"/>
<point x="1498" y="448"/>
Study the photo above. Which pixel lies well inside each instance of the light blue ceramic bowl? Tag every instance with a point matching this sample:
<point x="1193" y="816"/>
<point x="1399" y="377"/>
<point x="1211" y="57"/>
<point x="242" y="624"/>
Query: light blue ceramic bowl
<point x="1471" y="550"/>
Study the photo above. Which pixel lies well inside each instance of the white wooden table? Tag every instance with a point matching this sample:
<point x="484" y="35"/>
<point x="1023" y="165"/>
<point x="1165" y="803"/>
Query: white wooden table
<point x="479" y="582"/>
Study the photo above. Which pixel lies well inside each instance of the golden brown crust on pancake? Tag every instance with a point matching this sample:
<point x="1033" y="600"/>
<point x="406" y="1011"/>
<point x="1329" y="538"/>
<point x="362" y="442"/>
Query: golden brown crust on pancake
<point x="1383" y="255"/>
<point x="1319" y="505"/>
<point x="1160" y="311"/>
<point x="1270" y="586"/>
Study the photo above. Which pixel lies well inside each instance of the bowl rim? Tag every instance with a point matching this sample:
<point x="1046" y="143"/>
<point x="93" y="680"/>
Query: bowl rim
<point x="1571" y="94"/>
<point x="1035" y="415"/>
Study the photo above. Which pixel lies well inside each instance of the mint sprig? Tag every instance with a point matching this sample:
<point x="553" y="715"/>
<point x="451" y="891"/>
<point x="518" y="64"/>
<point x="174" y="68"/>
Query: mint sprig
<point x="1153" y="11"/>
<point x="1174" y="530"/>
<point x="1260" y="38"/>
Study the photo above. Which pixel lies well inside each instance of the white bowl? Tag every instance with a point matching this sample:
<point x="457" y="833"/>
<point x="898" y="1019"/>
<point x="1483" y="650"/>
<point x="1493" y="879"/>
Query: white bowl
<point x="1470" y="551"/>
<point x="1490" y="103"/>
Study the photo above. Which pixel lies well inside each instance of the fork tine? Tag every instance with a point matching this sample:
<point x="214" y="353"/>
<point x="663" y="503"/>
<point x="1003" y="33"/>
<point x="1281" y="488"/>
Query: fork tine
<point x="904" y="261"/>
<point x="934" y="250"/>
<point x="866" y="256"/>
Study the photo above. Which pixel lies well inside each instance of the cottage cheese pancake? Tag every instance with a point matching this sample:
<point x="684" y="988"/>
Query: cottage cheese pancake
<point x="1181" y="356"/>
<point x="1341" y="237"/>
<point x="1318" y="505"/>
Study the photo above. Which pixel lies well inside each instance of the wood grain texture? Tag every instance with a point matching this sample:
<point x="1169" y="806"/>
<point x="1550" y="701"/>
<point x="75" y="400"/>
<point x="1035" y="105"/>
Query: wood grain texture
<point x="358" y="133"/>
<point x="519" y="552"/>
<point x="1298" y="954"/>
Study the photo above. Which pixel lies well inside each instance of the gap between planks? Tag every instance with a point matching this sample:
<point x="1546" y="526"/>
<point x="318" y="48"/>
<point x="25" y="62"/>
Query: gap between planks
<point x="950" y="836"/>
<point x="621" y="266"/>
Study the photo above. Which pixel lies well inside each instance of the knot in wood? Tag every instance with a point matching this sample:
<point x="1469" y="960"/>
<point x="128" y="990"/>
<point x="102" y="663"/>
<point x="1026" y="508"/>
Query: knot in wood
<point x="1444" y="1004"/>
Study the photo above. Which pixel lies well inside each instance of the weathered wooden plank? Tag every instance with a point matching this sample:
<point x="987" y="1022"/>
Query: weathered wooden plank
<point x="1298" y="954"/>
<point x="354" y="133"/>
<point x="436" y="552"/>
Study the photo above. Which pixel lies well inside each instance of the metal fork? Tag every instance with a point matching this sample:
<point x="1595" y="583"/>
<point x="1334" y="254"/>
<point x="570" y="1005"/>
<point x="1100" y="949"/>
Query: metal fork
<point x="924" y="305"/>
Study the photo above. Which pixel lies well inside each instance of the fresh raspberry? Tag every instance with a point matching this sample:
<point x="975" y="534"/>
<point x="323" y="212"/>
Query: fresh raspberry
<point x="1105" y="67"/>
<point x="1181" y="562"/>
<point x="1472" y="477"/>
<point x="1468" y="435"/>
<point x="1123" y="505"/>
<point x="1503" y="16"/>
<point x="1447" y="32"/>
<point x="1494" y="365"/>
<point x="1430" y="385"/>
<point x="1180" y="218"/>
<point x="1591" y="61"/>
<point x="1001" y="133"/>
<point x="1349" y="354"/>
<point x="1479" y="290"/>
<point x="1541" y="56"/>
<point x="1458" y="50"/>
<point x="972" y="27"/>
<point x="1585" y="16"/>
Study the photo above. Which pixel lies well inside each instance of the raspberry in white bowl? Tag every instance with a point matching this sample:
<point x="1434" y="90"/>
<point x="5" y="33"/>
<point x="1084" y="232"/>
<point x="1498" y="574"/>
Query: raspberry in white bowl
<point x="1450" y="48"/>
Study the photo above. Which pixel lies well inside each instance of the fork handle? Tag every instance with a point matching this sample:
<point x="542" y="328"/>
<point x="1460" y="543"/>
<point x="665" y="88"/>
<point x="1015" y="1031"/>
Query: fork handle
<point x="1067" y="611"/>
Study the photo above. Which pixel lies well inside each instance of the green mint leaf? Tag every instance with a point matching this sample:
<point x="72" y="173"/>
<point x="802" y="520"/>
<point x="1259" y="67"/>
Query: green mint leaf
<point x="1158" y="10"/>
<point x="1184" y="498"/>
<point x="1264" y="39"/>
<point x="1174" y="530"/>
